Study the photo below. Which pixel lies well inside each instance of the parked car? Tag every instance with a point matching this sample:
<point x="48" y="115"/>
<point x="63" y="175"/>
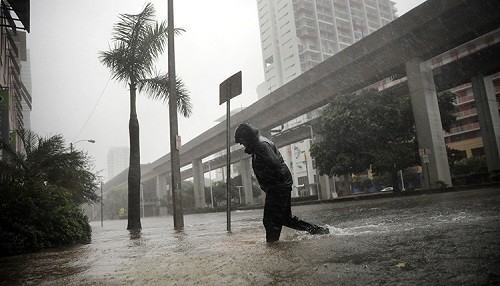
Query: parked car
<point x="387" y="189"/>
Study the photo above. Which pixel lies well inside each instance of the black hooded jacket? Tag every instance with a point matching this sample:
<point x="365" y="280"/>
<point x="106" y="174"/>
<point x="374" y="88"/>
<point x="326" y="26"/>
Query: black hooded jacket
<point x="267" y="162"/>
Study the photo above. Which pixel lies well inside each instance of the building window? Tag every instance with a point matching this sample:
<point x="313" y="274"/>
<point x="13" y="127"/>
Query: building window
<point x="269" y="61"/>
<point x="476" y="152"/>
<point x="303" y="181"/>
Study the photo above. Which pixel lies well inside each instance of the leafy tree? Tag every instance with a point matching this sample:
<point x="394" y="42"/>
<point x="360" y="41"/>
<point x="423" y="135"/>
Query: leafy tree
<point x="138" y="41"/>
<point x="42" y="190"/>
<point x="187" y="194"/>
<point x="47" y="162"/>
<point x="371" y="128"/>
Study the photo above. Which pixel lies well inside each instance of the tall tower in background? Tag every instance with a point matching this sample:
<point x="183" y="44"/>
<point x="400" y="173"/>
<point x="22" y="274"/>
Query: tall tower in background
<point x="118" y="160"/>
<point x="296" y="35"/>
<point x="26" y="87"/>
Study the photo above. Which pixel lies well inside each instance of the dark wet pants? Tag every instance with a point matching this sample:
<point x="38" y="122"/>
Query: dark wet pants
<point x="278" y="213"/>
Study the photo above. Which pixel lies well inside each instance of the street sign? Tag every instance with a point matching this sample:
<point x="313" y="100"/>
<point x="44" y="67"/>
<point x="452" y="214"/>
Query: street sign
<point x="230" y="88"/>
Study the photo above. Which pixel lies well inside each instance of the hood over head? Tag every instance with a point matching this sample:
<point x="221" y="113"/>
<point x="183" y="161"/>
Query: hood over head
<point x="245" y="131"/>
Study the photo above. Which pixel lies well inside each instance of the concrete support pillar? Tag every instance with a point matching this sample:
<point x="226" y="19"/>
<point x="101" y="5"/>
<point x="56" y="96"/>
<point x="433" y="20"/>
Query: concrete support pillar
<point x="162" y="181"/>
<point x="430" y="132"/>
<point x="162" y="185"/>
<point x="324" y="186"/>
<point x="199" y="184"/>
<point x="246" y="179"/>
<point x="158" y="188"/>
<point x="489" y="120"/>
<point x="334" y="187"/>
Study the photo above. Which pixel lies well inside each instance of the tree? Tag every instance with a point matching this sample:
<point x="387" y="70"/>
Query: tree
<point x="371" y="129"/>
<point x="45" y="161"/>
<point x="42" y="190"/>
<point x="138" y="41"/>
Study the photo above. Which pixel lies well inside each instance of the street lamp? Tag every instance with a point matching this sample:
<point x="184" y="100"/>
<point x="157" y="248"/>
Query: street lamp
<point x="73" y="143"/>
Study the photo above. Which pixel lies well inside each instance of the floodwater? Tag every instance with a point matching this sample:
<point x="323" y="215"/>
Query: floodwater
<point x="438" y="239"/>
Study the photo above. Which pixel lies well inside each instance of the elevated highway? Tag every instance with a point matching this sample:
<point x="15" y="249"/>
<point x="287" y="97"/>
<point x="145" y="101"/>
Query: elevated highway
<point x="400" y="49"/>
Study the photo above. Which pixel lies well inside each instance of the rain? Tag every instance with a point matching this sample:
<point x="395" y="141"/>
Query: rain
<point x="202" y="222"/>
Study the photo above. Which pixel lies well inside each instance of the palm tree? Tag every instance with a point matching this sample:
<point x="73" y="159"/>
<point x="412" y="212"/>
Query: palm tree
<point x="42" y="189"/>
<point x="138" y="41"/>
<point x="46" y="161"/>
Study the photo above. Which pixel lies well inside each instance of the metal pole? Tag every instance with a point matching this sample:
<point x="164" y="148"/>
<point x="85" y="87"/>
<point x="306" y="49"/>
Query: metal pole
<point x="428" y="175"/>
<point x="142" y="200"/>
<point x="102" y="204"/>
<point x="228" y="187"/>
<point x="402" y="180"/>
<point x="174" y="149"/>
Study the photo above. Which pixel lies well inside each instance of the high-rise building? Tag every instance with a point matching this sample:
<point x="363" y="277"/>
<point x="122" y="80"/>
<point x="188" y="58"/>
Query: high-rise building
<point x="296" y="35"/>
<point x="26" y="88"/>
<point x="118" y="160"/>
<point x="466" y="134"/>
<point x="14" y="97"/>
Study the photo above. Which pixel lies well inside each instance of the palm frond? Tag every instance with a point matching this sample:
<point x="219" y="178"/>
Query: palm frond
<point x="131" y="27"/>
<point x="158" y="88"/>
<point x="116" y="60"/>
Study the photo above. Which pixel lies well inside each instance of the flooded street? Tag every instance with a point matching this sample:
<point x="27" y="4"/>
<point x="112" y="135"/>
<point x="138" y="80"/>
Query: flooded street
<point x="438" y="239"/>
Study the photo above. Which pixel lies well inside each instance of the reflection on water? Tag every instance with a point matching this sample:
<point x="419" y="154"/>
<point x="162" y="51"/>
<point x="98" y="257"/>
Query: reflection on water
<point x="387" y="241"/>
<point x="135" y="233"/>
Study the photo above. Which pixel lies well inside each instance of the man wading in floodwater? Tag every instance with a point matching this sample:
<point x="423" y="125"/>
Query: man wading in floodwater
<point x="275" y="180"/>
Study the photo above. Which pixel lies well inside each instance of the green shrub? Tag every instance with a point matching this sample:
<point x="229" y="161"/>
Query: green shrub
<point x="37" y="217"/>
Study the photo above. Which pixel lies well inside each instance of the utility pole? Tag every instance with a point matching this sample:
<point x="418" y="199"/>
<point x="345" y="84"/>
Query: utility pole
<point x="102" y="204"/>
<point x="175" y="142"/>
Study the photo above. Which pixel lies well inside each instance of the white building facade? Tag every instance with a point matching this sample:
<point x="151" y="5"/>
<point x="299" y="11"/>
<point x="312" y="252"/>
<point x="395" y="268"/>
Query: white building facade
<point x="296" y="35"/>
<point x="118" y="160"/>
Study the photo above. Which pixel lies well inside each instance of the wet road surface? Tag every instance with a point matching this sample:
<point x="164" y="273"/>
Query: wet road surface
<point x="439" y="239"/>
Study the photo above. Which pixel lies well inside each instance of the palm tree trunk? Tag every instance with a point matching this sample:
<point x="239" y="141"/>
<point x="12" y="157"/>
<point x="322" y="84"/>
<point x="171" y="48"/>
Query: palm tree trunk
<point x="134" y="171"/>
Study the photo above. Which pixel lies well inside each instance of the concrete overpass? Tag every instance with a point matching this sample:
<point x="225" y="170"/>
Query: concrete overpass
<point x="403" y="47"/>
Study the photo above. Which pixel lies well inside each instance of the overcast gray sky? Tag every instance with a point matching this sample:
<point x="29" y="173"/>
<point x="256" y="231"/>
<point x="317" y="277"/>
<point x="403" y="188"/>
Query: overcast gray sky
<point x="72" y="92"/>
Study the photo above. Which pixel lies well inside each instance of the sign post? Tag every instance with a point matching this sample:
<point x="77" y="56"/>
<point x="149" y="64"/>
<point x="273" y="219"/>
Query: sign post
<point x="228" y="89"/>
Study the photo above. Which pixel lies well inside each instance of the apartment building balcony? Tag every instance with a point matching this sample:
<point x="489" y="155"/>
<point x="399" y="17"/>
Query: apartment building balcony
<point x="373" y="25"/>
<point x="308" y="64"/>
<point x="307" y="33"/>
<point x="303" y="7"/>
<point x="326" y="18"/>
<point x="466" y="113"/>
<point x="345" y="39"/>
<point x="310" y="53"/>
<point x="305" y="24"/>
<point x="464" y="99"/>
<point x="322" y="4"/>
<point x="340" y="7"/>
<point x="460" y="87"/>
<point x="302" y="15"/>
<point x="463" y="129"/>
<point x="356" y="5"/>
